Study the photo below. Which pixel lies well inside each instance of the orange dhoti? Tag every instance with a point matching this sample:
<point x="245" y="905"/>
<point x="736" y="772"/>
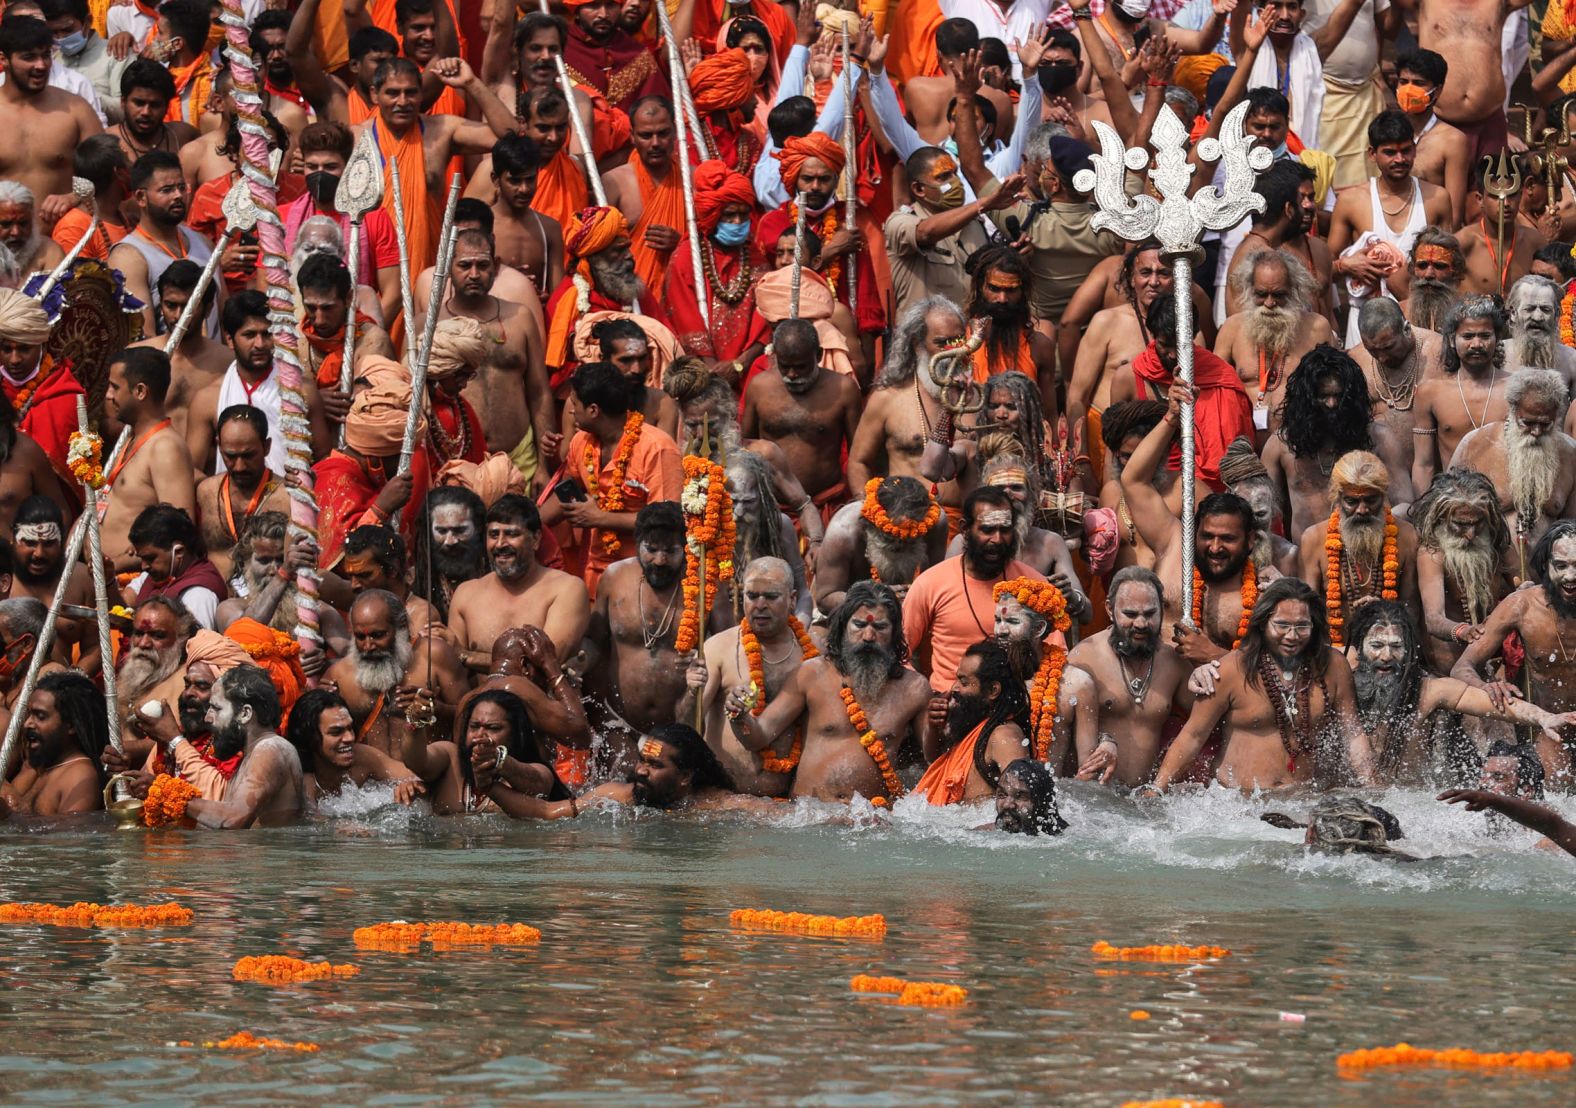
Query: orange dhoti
<point x="947" y="779"/>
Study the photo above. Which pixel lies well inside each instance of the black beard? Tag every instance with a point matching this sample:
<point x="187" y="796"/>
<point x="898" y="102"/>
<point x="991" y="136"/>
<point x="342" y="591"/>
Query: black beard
<point x="867" y="666"/>
<point x="1562" y="608"/>
<point x="24" y="574"/>
<point x="1013" y="313"/>
<point x="1024" y="656"/>
<point x="460" y="562"/>
<point x="194" y="717"/>
<point x="230" y="740"/>
<point x="988" y="561"/>
<point x="1379" y="695"/>
<point x="1129" y="647"/>
<point x="965" y="714"/>
<point x="663" y="577"/>
<point x="1010" y="822"/>
<point x="47" y="751"/>
<point x="1233" y="568"/>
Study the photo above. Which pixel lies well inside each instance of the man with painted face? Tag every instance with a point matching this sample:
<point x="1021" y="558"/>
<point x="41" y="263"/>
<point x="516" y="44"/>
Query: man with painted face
<point x="63" y="735"/>
<point x="1464" y="563"/>
<point x="37" y="557"/>
<point x="931" y="237"/>
<point x="243" y="713"/>
<point x="1534" y="307"/>
<point x="153" y="657"/>
<point x="1026" y="800"/>
<point x="676" y="771"/>
<point x="810" y="412"/>
<point x="731" y="338"/>
<point x="1444" y="152"/>
<point x="375" y="559"/>
<point x="450" y="547"/>
<point x="998" y="309"/>
<point x="1471" y="391"/>
<point x="1495" y="263"/>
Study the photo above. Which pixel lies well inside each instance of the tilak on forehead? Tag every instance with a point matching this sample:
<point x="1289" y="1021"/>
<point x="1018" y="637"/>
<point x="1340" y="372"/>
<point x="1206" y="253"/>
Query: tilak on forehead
<point x="942" y="166"/>
<point x="998" y="517"/>
<point x="1001" y="280"/>
<point x="38" y="532"/>
<point x="650" y="748"/>
<point x="360" y="562"/>
<point x="1012" y="475"/>
<point x="1436" y="254"/>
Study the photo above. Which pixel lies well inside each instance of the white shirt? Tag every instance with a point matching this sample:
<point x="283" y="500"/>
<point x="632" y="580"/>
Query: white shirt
<point x="768" y="177"/>
<point x="200" y="601"/>
<point x="1018" y="24"/>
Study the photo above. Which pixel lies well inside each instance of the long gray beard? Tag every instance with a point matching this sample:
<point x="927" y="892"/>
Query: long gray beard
<point x="1473" y="568"/>
<point x="144" y="669"/>
<point x="1263" y="550"/>
<point x="1430" y="302"/>
<point x="1024" y="656"/>
<point x="1272" y="329"/>
<point x="897" y="562"/>
<point x="1535" y="348"/>
<point x="1378" y="695"/>
<point x="379" y="675"/>
<point x="1363" y="538"/>
<point x="1534" y="468"/>
<point x="617" y="282"/>
<point x="287" y="615"/>
<point x="923" y="376"/>
<point x="867" y="670"/>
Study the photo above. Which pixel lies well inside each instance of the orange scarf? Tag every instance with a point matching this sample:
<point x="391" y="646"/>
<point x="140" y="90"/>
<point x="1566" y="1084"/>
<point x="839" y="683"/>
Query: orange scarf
<point x="360" y="110"/>
<point x="193" y="83"/>
<point x="947" y="779"/>
<point x="332" y="347"/>
<point x="985" y="369"/>
<point x="662" y="205"/>
<point x="422" y="218"/>
<point x="561" y="189"/>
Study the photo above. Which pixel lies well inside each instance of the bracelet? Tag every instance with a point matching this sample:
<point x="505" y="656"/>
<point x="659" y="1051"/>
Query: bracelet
<point x="1107" y="740"/>
<point x="503" y="756"/>
<point x="574" y="808"/>
<point x="1456" y="632"/>
<point x="942" y="432"/>
<point x="556" y="680"/>
<point x="1152" y="83"/>
<point x="1082" y="13"/>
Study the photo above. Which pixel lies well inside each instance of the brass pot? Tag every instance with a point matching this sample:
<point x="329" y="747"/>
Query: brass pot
<point x="127" y="810"/>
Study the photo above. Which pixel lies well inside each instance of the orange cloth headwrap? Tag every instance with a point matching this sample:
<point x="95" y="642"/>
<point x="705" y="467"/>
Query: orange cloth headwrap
<point x="592" y="231"/>
<point x="1194" y="71"/>
<point x="722" y="82"/>
<point x="717" y="186"/>
<point x="277" y="653"/>
<point x="797" y="150"/>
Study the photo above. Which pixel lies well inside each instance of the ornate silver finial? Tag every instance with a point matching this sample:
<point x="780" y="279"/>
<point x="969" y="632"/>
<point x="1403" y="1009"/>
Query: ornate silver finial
<point x="1176" y="219"/>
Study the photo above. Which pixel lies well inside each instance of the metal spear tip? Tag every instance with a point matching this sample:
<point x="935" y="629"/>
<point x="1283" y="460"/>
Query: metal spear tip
<point x="82" y="189"/>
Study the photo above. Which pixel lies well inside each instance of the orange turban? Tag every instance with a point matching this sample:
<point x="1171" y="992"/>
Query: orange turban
<point x="214" y="649"/>
<point x="1194" y="71"/>
<point x="375" y="425"/>
<point x="488" y="479"/>
<point x="276" y="653"/>
<point x="722" y="82"/>
<point x="814" y="145"/>
<point x="593" y="230"/>
<point x="717" y="186"/>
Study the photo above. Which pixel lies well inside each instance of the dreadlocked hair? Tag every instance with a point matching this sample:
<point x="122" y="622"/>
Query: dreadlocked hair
<point x="1130" y="417"/>
<point x="998" y="450"/>
<point x="759" y="533"/>
<point x="1391" y="613"/>
<point x="1451" y="489"/>
<point x="690" y="381"/>
<point x="1002" y="342"/>
<point x="1012" y="703"/>
<point x="1025" y="395"/>
<point x="1304" y="427"/>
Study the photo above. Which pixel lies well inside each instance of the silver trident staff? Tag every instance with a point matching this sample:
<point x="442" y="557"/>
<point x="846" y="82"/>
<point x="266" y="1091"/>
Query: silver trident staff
<point x="577" y="123"/>
<point x="850" y="179"/>
<point x="682" y="134"/>
<point x="360" y="190"/>
<point x="240" y="214"/>
<point x="798" y="259"/>
<point x="1177" y="220"/>
<point x="100" y="586"/>
<point x="407" y="302"/>
<point x="419" y="355"/>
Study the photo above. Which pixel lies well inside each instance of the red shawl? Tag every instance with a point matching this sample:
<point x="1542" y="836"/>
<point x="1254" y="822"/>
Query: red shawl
<point x="199" y="575"/>
<point x="345" y="494"/>
<point x="733" y="326"/>
<point x="1221" y="413"/>
<point x="622" y="68"/>
<point x="51" y="413"/>
<point x="448" y="413"/>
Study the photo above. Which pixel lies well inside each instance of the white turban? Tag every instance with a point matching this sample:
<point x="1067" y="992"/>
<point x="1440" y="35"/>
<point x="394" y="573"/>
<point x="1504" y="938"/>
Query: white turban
<point x="21" y="318"/>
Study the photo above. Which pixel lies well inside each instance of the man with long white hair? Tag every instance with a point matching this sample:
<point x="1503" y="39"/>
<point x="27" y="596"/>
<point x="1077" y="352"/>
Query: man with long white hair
<point x="1530" y="460"/>
<point x="384" y="676"/>
<point x="1534" y="306"/>
<point x="1463" y="561"/>
<point x="19" y="229"/>
<point x="1265" y="341"/>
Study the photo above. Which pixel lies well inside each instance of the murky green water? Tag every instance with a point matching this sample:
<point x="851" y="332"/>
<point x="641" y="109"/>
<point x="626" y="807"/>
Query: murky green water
<point x="640" y="993"/>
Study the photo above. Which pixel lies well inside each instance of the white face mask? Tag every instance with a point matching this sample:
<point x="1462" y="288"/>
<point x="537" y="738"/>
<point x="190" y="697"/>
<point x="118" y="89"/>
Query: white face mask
<point x="1134" y="9"/>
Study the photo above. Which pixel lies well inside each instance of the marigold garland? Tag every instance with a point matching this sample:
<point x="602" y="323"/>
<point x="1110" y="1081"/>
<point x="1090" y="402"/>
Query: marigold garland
<point x="833" y="272"/>
<point x="932" y="994"/>
<point x="1250" y="597"/>
<point x="709" y="527"/>
<point x="167" y="800"/>
<point x="764" y="919"/>
<point x="245" y="1040"/>
<point x="872" y="744"/>
<point x="400" y="935"/>
<point x="1404" y="1054"/>
<point x="85" y="457"/>
<point x="611" y="499"/>
<point x="1567" y="308"/>
<point x="905" y="530"/>
<point x="755" y="662"/>
<point x="1167" y="953"/>
<point x="1047" y="600"/>
<point x="85" y="914"/>
<point x="278" y="969"/>
<point x="1390" y="564"/>
<point x="1173" y="1102"/>
<point x="864" y="983"/>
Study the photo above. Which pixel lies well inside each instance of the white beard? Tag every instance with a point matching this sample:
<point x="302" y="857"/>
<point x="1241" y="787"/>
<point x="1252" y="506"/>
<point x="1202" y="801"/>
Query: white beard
<point x="1473" y="569"/>
<point x="1272" y="329"/>
<point x="144" y="669"/>
<point x="1535" y="348"/>
<point x="384" y="674"/>
<point x="1534" y="468"/>
<point x="922" y="375"/>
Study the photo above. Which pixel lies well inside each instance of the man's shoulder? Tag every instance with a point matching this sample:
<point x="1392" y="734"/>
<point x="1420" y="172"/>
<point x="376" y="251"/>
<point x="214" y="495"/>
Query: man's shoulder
<point x="929" y="580"/>
<point x="654" y="439"/>
<point x="1016" y="568"/>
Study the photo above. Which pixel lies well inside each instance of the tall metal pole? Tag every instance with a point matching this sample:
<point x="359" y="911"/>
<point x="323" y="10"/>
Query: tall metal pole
<point x="1182" y="290"/>
<point x="850" y="179"/>
<point x="682" y="134"/>
<point x="578" y="125"/>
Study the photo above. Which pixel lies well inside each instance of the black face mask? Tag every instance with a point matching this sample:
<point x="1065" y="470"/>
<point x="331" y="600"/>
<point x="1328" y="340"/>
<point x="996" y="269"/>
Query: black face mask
<point x="322" y="186"/>
<point x="1057" y="77"/>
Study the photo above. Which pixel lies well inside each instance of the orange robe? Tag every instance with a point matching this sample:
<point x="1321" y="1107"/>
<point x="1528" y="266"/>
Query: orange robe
<point x="331" y="40"/>
<point x="662" y="205"/>
<point x="423" y="220"/>
<point x="561" y="189"/>
<point x="1023" y="362"/>
<point x="947" y="779"/>
<point x="655" y="473"/>
<point x="193" y="83"/>
<point x="912" y="52"/>
<point x="360" y="110"/>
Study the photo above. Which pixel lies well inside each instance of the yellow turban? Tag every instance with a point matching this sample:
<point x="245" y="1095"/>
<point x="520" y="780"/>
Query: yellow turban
<point x="457" y="344"/>
<point x="21" y="319"/>
<point x="593" y="230"/>
<point x="375" y="427"/>
<point x="1359" y="471"/>
<point x="1194" y="71"/>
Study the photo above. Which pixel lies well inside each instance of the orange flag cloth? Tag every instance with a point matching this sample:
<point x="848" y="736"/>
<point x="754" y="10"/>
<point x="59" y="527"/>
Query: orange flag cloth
<point x="561" y="190"/>
<point x="662" y="205"/>
<point x="948" y="776"/>
<point x="796" y="151"/>
<point x="590" y="232"/>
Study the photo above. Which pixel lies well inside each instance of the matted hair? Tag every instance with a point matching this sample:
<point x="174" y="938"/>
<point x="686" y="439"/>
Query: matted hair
<point x="1301" y="282"/>
<point x="908" y="339"/>
<point x="1456" y="486"/>
<point x="867" y="594"/>
<point x="1487" y="307"/>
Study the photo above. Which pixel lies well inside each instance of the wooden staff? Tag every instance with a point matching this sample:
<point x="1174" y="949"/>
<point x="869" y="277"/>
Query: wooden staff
<point x="798" y="258"/>
<point x="682" y="133"/>
<point x="582" y="136"/>
<point x="850" y="179"/>
<point x="420" y="354"/>
<point x="240" y="214"/>
<point x="360" y="191"/>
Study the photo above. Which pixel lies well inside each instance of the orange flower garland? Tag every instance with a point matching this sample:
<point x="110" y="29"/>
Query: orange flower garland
<point x="756" y="664"/>
<point x="167" y="800"/>
<point x="1173" y="1102"/>
<point x="245" y="1040"/>
<point x="399" y="936"/>
<point x="1567" y="308"/>
<point x="864" y="983"/>
<point x="1390" y="564"/>
<point x="1168" y="953"/>
<point x="1047" y="600"/>
<point x="1250" y="597"/>
<point x="84" y="456"/>
<point x="612" y="499"/>
<point x="1404" y="1054"/>
<point x="276" y="969"/>
<point x="904" y="529"/>
<point x="925" y="994"/>
<point x="83" y="914"/>
<point x="708" y="521"/>
<point x="764" y="919"/>
<point x="872" y="744"/>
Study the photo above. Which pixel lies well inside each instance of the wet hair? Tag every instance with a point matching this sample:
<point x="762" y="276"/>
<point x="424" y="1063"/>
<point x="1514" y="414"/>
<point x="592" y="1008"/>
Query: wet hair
<point x="664" y="518"/>
<point x="249" y="685"/>
<point x="1425" y="63"/>
<point x="1127" y="418"/>
<point x="867" y="594"/>
<point x="956" y="37"/>
<point x="384" y="544"/>
<point x="1529" y="767"/>
<point x="1124" y="275"/>
<point x="243" y="413"/>
<point x="390" y="68"/>
<point x="80" y="706"/>
<point x="1041" y="784"/>
<point x="1270" y="596"/>
<point x="1390" y="128"/>
<point x="523" y="743"/>
<point x="148" y="75"/>
<point x="264" y="526"/>
<point x="1557" y="254"/>
<point x="370" y="40"/>
<point x="515" y="153"/>
<point x="512" y="508"/>
<point x="1135" y="575"/>
<point x="1301" y="425"/>
<point x="154" y="161"/>
<point x="693" y="756"/>
<point x="601" y="383"/>
<point x="908" y="340"/>
<point x="1012" y="702"/>
<point x="189" y="20"/>
<point x="1456" y="486"/>
<point x="324" y="273"/>
<point x="794" y="117"/>
<point x="1279" y="185"/>
<point x="1227" y="504"/>
<point x="1391" y="613"/>
<point x="162" y="526"/>
<point x="239" y="309"/>
<point x="1487" y="307"/>
<point x="305" y="730"/>
<point x="146" y="365"/>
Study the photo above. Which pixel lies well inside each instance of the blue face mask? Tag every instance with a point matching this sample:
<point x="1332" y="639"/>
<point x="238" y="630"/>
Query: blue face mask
<point x="1280" y="152"/>
<point x="732" y="234"/>
<point x="73" y="44"/>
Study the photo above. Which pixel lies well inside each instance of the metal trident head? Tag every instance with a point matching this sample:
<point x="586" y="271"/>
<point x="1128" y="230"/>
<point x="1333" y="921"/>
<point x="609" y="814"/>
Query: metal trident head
<point x="1501" y="175"/>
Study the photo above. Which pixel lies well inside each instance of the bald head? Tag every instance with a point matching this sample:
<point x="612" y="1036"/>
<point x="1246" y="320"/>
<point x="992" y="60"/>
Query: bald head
<point x="769" y="572"/>
<point x="378" y="608"/>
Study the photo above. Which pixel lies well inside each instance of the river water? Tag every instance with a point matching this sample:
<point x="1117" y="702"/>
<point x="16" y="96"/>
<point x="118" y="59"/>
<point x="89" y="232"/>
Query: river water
<point x="641" y="993"/>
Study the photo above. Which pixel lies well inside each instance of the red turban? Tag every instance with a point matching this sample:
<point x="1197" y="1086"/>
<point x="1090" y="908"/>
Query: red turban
<point x="593" y="230"/>
<point x="797" y="150"/>
<point x="717" y="186"/>
<point x="722" y="82"/>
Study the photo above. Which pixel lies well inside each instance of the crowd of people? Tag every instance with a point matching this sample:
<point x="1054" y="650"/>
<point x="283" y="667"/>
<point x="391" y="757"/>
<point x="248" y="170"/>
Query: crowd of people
<point x="790" y="426"/>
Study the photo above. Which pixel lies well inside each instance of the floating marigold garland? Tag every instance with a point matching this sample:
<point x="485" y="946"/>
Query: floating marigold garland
<point x="167" y="800"/>
<point x="1390" y="566"/>
<point x="400" y="935"/>
<point x="278" y="969"/>
<point x="1250" y="597"/>
<point x="926" y="994"/>
<point x="245" y="1040"/>
<point x="864" y="983"/>
<point x="708" y="526"/>
<point x="612" y="498"/>
<point x="84" y="914"/>
<point x="755" y="662"/>
<point x="873" y="747"/>
<point x="85" y="458"/>
<point x="1165" y="953"/>
<point x="1404" y="1054"/>
<point x="764" y="919"/>
<point x="1047" y="600"/>
<point x="1173" y="1102"/>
